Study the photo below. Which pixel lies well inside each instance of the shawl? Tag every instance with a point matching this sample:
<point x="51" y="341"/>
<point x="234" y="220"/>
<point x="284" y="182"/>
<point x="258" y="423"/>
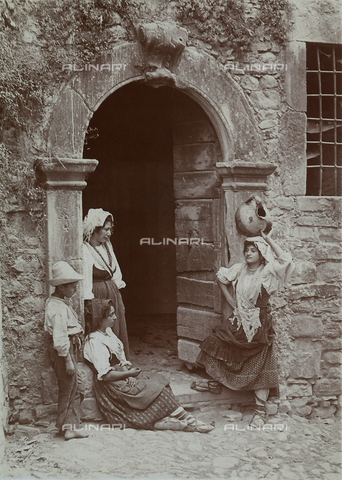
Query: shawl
<point x="273" y="275"/>
<point x="100" y="259"/>
<point x="246" y="313"/>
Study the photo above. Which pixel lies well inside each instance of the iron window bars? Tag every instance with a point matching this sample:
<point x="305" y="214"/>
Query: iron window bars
<point x="324" y="119"/>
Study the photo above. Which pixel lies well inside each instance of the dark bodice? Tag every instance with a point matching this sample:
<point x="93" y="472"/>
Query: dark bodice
<point x="100" y="275"/>
<point x="263" y="298"/>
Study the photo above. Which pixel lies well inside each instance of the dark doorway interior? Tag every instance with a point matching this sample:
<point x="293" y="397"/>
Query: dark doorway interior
<point x="131" y="136"/>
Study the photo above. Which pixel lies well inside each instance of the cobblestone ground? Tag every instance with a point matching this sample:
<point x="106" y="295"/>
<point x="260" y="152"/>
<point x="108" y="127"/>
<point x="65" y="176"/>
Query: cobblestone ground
<point x="302" y="450"/>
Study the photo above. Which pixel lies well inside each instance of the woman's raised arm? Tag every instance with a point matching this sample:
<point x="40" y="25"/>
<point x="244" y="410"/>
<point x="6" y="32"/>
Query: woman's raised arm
<point x="275" y="247"/>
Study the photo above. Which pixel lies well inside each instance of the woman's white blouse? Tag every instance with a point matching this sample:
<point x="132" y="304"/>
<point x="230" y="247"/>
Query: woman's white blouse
<point x="247" y="287"/>
<point x="89" y="261"/>
<point x="274" y="274"/>
<point x="98" y="348"/>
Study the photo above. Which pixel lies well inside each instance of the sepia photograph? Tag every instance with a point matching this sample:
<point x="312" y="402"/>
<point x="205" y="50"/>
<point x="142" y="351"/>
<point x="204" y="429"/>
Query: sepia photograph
<point x="170" y="225"/>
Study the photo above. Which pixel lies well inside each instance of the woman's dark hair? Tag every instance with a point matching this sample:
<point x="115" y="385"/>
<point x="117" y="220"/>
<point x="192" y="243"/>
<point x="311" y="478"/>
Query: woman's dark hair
<point x="101" y="308"/>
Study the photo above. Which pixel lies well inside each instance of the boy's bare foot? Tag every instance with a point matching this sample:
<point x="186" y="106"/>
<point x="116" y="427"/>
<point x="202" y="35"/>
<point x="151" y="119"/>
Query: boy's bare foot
<point x="69" y="434"/>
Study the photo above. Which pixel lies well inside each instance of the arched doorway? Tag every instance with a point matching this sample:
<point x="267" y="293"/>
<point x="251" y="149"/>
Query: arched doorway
<point x="219" y="121"/>
<point x="157" y="150"/>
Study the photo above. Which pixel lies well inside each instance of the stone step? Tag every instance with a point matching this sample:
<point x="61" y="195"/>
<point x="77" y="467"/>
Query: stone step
<point x="186" y="396"/>
<point x="189" y="397"/>
<point x="180" y="382"/>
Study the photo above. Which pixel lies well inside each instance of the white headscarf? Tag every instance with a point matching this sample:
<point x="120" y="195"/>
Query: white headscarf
<point x="267" y="253"/>
<point x="263" y="247"/>
<point x="96" y="217"/>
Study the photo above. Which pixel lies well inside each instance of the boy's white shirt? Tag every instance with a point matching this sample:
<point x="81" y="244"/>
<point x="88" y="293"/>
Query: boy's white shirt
<point x="60" y="322"/>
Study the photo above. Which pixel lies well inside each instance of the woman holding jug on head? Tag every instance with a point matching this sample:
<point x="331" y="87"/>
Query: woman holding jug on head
<point x="239" y="353"/>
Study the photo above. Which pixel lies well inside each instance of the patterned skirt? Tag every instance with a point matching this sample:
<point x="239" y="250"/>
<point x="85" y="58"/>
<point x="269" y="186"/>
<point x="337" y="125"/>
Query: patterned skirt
<point x="240" y="365"/>
<point x="117" y="411"/>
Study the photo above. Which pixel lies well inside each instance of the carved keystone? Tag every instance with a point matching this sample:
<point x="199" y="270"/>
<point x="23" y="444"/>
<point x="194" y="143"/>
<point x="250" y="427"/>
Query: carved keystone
<point x="162" y="45"/>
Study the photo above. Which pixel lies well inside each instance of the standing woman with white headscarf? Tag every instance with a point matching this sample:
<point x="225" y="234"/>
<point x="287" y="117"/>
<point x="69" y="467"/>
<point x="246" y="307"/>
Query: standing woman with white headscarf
<point x="102" y="274"/>
<point x="239" y="354"/>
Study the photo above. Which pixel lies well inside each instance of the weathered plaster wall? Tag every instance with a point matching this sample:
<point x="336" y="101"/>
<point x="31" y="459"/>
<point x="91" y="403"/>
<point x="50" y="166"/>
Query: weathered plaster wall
<point x="317" y="21"/>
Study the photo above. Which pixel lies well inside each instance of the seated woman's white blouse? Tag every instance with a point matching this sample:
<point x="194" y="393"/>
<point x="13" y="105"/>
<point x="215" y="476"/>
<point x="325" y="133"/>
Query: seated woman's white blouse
<point x="98" y="348"/>
<point x="274" y="274"/>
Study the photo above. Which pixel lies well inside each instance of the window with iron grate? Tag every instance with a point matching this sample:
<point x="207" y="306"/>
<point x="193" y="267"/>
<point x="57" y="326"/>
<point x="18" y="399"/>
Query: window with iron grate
<point x="324" y="119"/>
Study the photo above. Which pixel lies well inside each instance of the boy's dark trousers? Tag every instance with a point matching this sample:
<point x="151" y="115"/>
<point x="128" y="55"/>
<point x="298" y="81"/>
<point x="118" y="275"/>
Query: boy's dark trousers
<point x="69" y="397"/>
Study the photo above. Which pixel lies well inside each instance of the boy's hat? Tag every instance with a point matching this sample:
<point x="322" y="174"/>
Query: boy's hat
<point x="63" y="273"/>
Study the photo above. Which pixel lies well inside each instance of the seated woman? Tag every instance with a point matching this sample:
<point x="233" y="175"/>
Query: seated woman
<point x="122" y="398"/>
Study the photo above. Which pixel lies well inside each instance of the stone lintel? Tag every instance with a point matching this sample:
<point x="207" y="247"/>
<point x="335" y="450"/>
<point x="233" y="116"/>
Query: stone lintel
<point x="64" y="173"/>
<point x="238" y="175"/>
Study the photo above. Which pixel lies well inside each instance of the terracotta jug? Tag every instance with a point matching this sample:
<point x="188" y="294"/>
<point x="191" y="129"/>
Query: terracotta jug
<point x="252" y="217"/>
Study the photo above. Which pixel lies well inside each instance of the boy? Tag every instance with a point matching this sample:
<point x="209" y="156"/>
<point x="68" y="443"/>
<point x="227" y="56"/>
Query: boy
<point x="62" y="324"/>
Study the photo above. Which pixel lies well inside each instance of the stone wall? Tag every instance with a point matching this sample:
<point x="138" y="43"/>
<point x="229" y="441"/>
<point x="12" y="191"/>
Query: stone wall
<point x="3" y="406"/>
<point x="24" y="294"/>
<point x="308" y="319"/>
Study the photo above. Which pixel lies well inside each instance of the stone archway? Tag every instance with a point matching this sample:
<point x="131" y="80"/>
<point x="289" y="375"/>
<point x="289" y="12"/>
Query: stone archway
<point x="197" y="74"/>
<point x="157" y="59"/>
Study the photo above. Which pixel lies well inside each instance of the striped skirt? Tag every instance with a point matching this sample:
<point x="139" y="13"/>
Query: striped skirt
<point x="116" y="411"/>
<point x="256" y="372"/>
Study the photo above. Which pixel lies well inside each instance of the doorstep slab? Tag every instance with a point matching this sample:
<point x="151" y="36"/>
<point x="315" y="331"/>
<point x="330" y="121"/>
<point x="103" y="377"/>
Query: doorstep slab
<point x="186" y="395"/>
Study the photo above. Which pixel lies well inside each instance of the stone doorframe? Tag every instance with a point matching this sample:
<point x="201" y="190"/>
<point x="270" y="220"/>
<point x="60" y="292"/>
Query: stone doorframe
<point x="157" y="59"/>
